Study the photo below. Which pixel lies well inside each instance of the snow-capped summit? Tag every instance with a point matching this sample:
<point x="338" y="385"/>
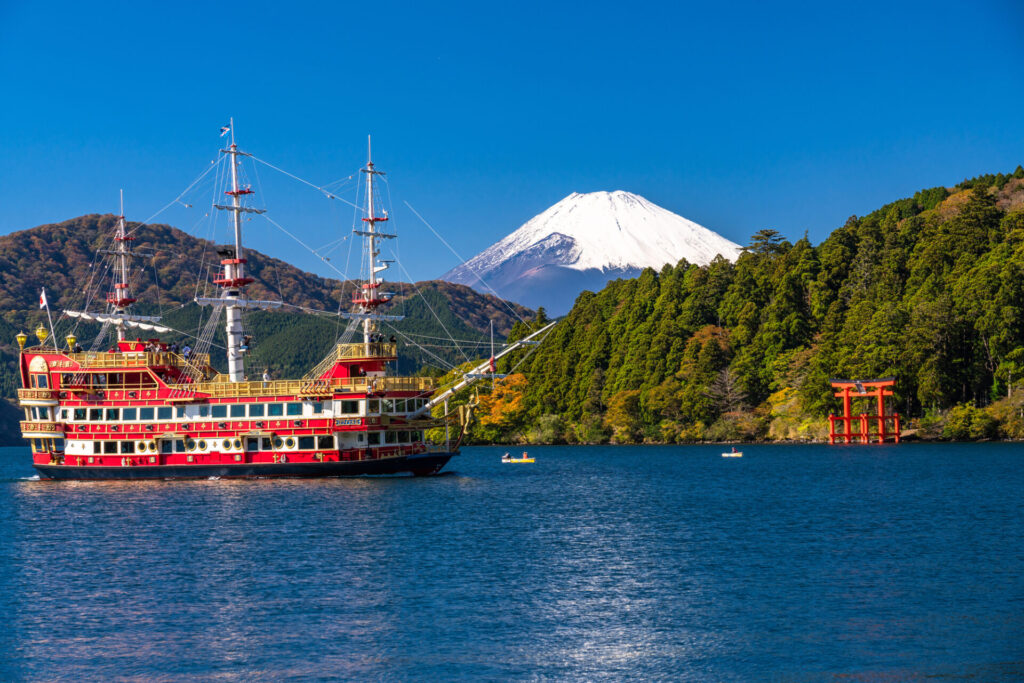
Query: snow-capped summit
<point x="584" y="241"/>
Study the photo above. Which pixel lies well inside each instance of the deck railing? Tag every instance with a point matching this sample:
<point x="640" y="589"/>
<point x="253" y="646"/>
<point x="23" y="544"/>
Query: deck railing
<point x="376" y="350"/>
<point x="42" y="427"/>
<point x="135" y="359"/>
<point x="38" y="394"/>
<point x="295" y="387"/>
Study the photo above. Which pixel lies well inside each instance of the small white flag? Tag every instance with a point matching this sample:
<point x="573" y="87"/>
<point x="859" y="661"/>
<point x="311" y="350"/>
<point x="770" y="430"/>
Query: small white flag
<point x="224" y="130"/>
<point x="42" y="299"/>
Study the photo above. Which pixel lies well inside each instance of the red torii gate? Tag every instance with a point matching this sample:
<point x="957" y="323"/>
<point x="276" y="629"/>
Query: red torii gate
<point x="849" y="389"/>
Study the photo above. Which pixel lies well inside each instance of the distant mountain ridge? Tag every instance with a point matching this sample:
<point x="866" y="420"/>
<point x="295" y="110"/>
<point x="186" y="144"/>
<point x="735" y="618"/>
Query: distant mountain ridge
<point x="584" y="241"/>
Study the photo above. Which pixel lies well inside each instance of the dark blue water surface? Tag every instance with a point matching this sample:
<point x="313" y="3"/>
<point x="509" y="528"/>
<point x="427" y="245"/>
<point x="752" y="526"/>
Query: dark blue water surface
<point x="667" y="563"/>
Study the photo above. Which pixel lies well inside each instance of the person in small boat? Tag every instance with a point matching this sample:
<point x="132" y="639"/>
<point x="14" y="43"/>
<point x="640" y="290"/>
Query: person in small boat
<point x="734" y="449"/>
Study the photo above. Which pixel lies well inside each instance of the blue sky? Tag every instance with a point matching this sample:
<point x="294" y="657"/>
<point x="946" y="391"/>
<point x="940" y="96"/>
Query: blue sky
<point x="740" y="115"/>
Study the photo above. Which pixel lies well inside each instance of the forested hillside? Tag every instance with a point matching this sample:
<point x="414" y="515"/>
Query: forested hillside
<point x="928" y="289"/>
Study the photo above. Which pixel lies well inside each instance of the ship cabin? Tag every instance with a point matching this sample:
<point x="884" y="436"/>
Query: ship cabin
<point x="142" y="403"/>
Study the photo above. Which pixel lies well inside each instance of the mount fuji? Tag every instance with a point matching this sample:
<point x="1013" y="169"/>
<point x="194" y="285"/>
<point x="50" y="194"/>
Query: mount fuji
<point x="584" y="241"/>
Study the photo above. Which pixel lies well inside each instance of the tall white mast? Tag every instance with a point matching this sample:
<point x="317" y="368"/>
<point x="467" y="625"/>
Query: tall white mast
<point x="234" y="272"/>
<point x="233" y="279"/>
<point x="120" y="299"/>
<point x="370" y="298"/>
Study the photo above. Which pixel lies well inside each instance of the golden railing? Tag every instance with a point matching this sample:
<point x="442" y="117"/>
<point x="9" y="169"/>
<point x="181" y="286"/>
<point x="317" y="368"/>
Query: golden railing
<point x="376" y="350"/>
<point x="38" y="394"/>
<point x="135" y="359"/>
<point x="42" y="427"/>
<point x="220" y="387"/>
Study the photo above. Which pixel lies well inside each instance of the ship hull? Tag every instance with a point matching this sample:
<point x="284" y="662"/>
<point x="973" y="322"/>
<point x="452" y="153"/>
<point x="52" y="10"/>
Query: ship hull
<point x="420" y="465"/>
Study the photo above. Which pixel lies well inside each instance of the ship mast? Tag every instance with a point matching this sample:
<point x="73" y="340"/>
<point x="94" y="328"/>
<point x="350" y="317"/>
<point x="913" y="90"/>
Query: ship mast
<point x="370" y="298"/>
<point x="120" y="299"/>
<point x="233" y="279"/>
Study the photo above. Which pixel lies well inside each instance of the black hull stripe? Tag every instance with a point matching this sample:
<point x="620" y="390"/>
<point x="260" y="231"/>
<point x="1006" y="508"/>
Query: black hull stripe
<point x="419" y="464"/>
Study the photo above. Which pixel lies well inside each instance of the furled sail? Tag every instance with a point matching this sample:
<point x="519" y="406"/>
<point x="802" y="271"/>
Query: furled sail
<point x="143" y="322"/>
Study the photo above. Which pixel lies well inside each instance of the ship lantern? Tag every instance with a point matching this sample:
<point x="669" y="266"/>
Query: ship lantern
<point x="71" y="339"/>
<point x="42" y="333"/>
<point x="22" y="338"/>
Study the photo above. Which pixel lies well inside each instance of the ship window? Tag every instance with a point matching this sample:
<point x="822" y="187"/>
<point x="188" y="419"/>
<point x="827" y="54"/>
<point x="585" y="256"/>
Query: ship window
<point x="79" y="413"/>
<point x="238" y="410"/>
<point x="388" y="405"/>
<point x="99" y="380"/>
<point x="295" y="409"/>
<point x="95" y="414"/>
<point x="58" y="444"/>
<point x="400" y="405"/>
<point x="289" y="442"/>
<point x="39" y="381"/>
<point x="202" y="445"/>
<point x="127" y="446"/>
<point x="180" y="412"/>
<point x="219" y="411"/>
<point x="318" y="407"/>
<point x="128" y="414"/>
<point x="390" y="437"/>
<point x="325" y="442"/>
<point x="64" y="413"/>
<point x="403" y="437"/>
<point x="256" y="410"/>
<point x="275" y="409"/>
<point x="266" y="443"/>
<point x="179" y="445"/>
<point x="227" y="444"/>
<point x="252" y="443"/>
<point x="114" y="378"/>
<point x="166" y="446"/>
<point x="145" y="413"/>
<point x="360" y="437"/>
<point x="204" y="411"/>
<point x="305" y="443"/>
<point x="113" y="414"/>
<point x="164" y="413"/>
<point x="373" y="438"/>
<point x="350" y="407"/>
<point x="373" y="406"/>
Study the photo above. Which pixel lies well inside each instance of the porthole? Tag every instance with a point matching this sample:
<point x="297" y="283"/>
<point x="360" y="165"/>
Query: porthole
<point x="202" y="445"/>
<point x="289" y="442"/>
<point x="190" y="445"/>
<point x="227" y="444"/>
<point x="277" y="441"/>
<point x="237" y="443"/>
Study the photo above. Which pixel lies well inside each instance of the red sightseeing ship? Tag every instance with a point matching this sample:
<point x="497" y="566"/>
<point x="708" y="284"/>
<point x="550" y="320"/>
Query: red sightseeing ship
<point x="145" y="410"/>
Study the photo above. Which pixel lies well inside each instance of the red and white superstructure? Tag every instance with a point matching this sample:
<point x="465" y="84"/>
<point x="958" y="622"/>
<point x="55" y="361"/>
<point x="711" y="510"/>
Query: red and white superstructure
<point x="142" y="409"/>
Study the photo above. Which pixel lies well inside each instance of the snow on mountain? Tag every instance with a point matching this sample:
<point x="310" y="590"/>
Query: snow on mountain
<point x="584" y="241"/>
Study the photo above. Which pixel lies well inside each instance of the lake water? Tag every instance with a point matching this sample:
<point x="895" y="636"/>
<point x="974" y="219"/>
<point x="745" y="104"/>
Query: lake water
<point x="802" y="563"/>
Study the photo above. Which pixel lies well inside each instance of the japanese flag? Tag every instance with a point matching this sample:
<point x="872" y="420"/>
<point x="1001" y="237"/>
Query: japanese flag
<point x="42" y="299"/>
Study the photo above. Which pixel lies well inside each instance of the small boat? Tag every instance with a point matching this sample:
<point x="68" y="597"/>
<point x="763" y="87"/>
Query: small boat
<point x="523" y="458"/>
<point x="733" y="454"/>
